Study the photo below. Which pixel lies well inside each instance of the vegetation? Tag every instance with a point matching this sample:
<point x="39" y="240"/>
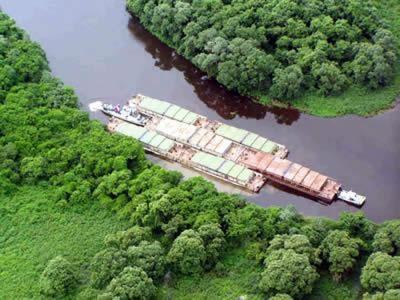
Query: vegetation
<point x="58" y="278"/>
<point x="35" y="229"/>
<point x="381" y="272"/>
<point x="340" y="251"/>
<point x="284" y="49"/>
<point x="287" y="272"/>
<point x="131" y="283"/>
<point x="85" y="209"/>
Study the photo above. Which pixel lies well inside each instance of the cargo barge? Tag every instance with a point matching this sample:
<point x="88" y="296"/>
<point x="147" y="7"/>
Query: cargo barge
<point x="219" y="149"/>
<point x="165" y="147"/>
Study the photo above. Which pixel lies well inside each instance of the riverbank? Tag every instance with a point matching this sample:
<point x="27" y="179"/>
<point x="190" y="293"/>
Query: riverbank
<point x="354" y="100"/>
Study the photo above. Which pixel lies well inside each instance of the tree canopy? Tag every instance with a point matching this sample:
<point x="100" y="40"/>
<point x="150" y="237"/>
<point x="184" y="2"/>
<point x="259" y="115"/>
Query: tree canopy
<point x="280" y="47"/>
<point x="289" y="273"/>
<point x="381" y="272"/>
<point x="340" y="251"/>
<point x="131" y="283"/>
<point x="58" y="278"/>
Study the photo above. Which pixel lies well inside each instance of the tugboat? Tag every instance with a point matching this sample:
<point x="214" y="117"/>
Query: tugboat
<point x="126" y="113"/>
<point x="351" y="197"/>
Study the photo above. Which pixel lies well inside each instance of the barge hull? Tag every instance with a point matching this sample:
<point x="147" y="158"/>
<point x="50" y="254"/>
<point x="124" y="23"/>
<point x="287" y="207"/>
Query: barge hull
<point x="211" y="165"/>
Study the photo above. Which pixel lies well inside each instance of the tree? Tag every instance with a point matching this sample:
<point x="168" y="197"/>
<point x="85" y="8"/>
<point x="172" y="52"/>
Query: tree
<point x="149" y="257"/>
<point x="389" y="295"/>
<point x="387" y="237"/>
<point x="317" y="229"/>
<point x="296" y="242"/>
<point x="340" y="251"/>
<point x="130" y="237"/>
<point x="357" y="225"/>
<point x="280" y="297"/>
<point x="289" y="273"/>
<point x="131" y="283"/>
<point x="105" y="265"/>
<point x="214" y="243"/>
<point x="28" y="60"/>
<point x="329" y="78"/>
<point x="187" y="253"/>
<point x="370" y="67"/>
<point x="245" y="223"/>
<point x="381" y="272"/>
<point x="247" y="46"/>
<point x="58" y="278"/>
<point x="287" y="83"/>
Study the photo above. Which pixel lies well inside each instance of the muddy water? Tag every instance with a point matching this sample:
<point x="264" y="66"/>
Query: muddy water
<point x="97" y="48"/>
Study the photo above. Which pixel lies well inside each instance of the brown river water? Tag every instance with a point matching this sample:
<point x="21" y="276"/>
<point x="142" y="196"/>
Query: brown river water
<point x="96" y="47"/>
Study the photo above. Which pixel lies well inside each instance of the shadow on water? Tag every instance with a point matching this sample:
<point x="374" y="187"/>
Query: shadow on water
<point x="226" y="103"/>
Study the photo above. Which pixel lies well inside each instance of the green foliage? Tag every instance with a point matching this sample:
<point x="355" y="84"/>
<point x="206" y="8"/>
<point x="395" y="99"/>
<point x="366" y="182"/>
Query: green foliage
<point x="389" y="295"/>
<point x="317" y="229"/>
<point x="357" y="225"/>
<point x="149" y="257"/>
<point x="281" y="297"/>
<point x="106" y="265"/>
<point x="133" y="236"/>
<point x="287" y="272"/>
<point x="326" y="288"/>
<point x="296" y="242"/>
<point x="131" y="283"/>
<point x="340" y="251"/>
<point x="35" y="229"/>
<point x="239" y="279"/>
<point x="214" y="243"/>
<point x="387" y="238"/>
<point x="283" y="52"/>
<point x="187" y="253"/>
<point x="58" y="278"/>
<point x="287" y="83"/>
<point x="381" y="272"/>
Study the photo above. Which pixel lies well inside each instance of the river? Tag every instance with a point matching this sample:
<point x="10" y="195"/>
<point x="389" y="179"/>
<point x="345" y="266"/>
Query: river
<point x="99" y="49"/>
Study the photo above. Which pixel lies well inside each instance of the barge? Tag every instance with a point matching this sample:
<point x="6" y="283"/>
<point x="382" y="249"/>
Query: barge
<point x="229" y="153"/>
<point x="216" y="166"/>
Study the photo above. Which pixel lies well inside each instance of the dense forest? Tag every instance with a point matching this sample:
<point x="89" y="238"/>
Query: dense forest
<point x="279" y="47"/>
<point x="173" y="228"/>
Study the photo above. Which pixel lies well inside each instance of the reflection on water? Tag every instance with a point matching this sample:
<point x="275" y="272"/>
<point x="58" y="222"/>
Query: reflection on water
<point x="226" y="103"/>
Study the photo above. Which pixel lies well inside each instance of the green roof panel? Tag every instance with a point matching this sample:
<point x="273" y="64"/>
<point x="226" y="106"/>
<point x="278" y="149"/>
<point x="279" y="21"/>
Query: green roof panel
<point x="269" y="147"/>
<point x="166" y="145"/>
<point x="172" y="110"/>
<point x="181" y="114"/>
<point x="249" y="139"/>
<point x="235" y="171"/>
<point x="259" y="142"/>
<point x="245" y="175"/>
<point x="190" y="118"/>
<point x="154" y="105"/>
<point x="131" y="130"/>
<point x="148" y="137"/>
<point x="226" y="167"/>
<point x="232" y="133"/>
<point x="157" y="140"/>
<point x="207" y="160"/>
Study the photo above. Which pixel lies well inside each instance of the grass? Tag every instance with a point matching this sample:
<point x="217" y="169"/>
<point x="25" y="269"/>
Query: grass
<point x="327" y="289"/>
<point x="35" y="229"/>
<point x="355" y="100"/>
